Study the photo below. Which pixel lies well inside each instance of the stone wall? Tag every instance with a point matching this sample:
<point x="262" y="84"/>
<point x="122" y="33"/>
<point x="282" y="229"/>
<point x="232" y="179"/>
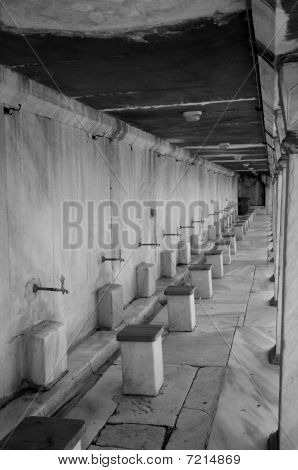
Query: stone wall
<point x="48" y="156"/>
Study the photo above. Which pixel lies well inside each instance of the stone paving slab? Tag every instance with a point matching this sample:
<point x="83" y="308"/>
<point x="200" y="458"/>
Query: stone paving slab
<point x="192" y="431"/>
<point x="206" y="389"/>
<point x="259" y="312"/>
<point x="96" y="407"/>
<point x="131" y="436"/>
<point x="161" y="410"/>
<point x="248" y="406"/>
<point x="202" y="347"/>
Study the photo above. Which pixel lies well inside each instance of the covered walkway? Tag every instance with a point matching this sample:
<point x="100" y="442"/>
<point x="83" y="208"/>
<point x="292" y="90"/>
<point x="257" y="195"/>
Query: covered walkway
<point x="220" y="391"/>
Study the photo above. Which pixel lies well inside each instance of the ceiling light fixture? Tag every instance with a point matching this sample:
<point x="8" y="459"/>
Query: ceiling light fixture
<point x="224" y="145"/>
<point x="191" y="116"/>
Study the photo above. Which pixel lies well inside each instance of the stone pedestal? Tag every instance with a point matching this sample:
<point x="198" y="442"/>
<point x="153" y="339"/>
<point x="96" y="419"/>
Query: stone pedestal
<point x="211" y="233"/>
<point x="225" y="246"/>
<point x="109" y="306"/>
<point x="195" y="240"/>
<point x="245" y="225"/>
<point x="215" y="258"/>
<point x="239" y="232"/>
<point x="141" y="359"/>
<point x="43" y="433"/>
<point x="181" y="308"/>
<point x="201" y="279"/>
<point x="231" y="238"/>
<point x="146" y="282"/>
<point x="184" y="252"/>
<point x="45" y="352"/>
<point x="168" y="263"/>
<point x="218" y="229"/>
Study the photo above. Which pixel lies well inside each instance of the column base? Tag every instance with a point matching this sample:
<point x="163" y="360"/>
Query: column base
<point x="271" y="260"/>
<point x="273" y="302"/>
<point x="273" y="357"/>
<point x="273" y="441"/>
<point x="272" y="278"/>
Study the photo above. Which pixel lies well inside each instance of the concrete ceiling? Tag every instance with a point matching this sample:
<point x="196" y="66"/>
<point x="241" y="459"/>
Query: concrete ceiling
<point x="147" y="62"/>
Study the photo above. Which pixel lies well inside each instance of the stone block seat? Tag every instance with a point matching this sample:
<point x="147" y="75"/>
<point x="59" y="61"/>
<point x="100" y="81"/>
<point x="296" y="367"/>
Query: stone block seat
<point x="42" y="433"/>
<point x="168" y="263"/>
<point x="195" y="243"/>
<point x="225" y="246"/>
<point x="201" y="278"/>
<point x="181" y="308"/>
<point x="146" y="282"/>
<point x="141" y="359"/>
<point x="184" y="252"/>
<point x="230" y="236"/>
<point x="243" y="219"/>
<point x="239" y="231"/>
<point x="215" y="258"/>
<point x="45" y="350"/>
<point x="211" y="232"/>
<point x="109" y="306"/>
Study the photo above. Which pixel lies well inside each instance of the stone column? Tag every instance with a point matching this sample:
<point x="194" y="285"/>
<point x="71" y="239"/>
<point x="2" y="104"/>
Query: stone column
<point x="281" y="261"/>
<point x="277" y="230"/>
<point x="274" y="354"/>
<point x="288" y="422"/>
<point x="274" y="200"/>
<point x="288" y="397"/>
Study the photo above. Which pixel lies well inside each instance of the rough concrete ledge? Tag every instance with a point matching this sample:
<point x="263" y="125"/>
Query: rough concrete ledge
<point x="86" y="358"/>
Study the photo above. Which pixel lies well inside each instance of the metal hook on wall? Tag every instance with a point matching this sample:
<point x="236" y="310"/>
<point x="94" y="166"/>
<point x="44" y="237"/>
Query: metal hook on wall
<point x="97" y="136"/>
<point x="10" y="110"/>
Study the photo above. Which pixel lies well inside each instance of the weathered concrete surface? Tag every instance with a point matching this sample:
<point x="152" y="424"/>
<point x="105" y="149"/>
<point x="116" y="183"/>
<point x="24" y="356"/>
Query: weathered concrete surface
<point x="131" y="436"/>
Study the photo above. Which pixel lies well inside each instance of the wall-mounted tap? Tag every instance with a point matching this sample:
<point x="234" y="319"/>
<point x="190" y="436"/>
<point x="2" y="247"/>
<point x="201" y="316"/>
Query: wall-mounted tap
<point x="201" y="221"/>
<point x="104" y="259"/>
<point x="148" y="244"/>
<point x="177" y="234"/>
<point x="36" y="287"/>
<point x="186" y="226"/>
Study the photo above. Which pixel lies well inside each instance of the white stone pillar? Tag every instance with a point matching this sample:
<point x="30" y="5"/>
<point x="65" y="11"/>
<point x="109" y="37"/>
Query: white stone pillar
<point x="281" y="263"/>
<point x="277" y="231"/>
<point x="288" y="422"/>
